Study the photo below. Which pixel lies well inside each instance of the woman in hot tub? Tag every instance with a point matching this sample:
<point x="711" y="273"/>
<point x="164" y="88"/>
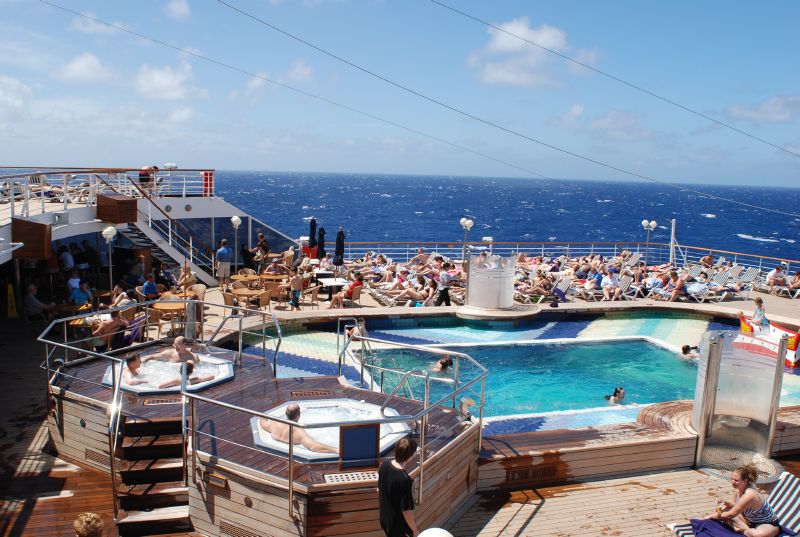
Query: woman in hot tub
<point x="192" y="379"/>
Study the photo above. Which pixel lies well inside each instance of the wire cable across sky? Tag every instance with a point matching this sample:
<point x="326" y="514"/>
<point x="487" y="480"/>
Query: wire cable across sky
<point x="616" y="78"/>
<point x="487" y="122"/>
<point x="369" y="115"/>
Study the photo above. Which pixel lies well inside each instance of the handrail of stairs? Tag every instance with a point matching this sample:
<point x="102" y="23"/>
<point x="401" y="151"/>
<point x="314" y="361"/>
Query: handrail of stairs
<point x="186" y="247"/>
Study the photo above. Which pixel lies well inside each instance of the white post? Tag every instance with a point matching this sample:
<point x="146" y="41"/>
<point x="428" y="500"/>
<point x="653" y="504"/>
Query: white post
<point x="672" y="243"/>
<point x="169" y="231"/>
<point x="65" y="191"/>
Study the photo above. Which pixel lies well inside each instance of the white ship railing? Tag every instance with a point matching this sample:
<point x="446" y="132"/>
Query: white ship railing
<point x="32" y="193"/>
<point x="652" y="253"/>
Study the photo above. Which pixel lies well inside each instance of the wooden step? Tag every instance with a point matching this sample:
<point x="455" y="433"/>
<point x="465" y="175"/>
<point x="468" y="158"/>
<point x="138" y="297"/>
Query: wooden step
<point x="151" y="447"/>
<point x="153" y="495"/>
<point x="154" y="427"/>
<point x="145" y="471"/>
<point x="154" y="521"/>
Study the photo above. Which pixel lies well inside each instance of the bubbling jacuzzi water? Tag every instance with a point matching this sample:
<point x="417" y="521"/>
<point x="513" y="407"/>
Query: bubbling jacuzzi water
<point x="330" y="435"/>
<point x="157" y="372"/>
<point x="338" y="410"/>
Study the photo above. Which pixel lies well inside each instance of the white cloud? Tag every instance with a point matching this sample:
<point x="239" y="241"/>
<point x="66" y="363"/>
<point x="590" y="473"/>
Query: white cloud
<point x="166" y="82"/>
<point x="778" y="109"/>
<point x="85" y="68"/>
<point x="20" y="55"/>
<point x="300" y="72"/>
<point x="575" y="111"/>
<point x="508" y="60"/>
<point x="181" y="115"/>
<point x="89" y="26"/>
<point x="618" y="125"/>
<point x="256" y="88"/>
<point x="14" y="101"/>
<point x="178" y="10"/>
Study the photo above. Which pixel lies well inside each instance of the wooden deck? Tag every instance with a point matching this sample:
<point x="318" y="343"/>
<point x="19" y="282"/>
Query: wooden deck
<point x="223" y="433"/>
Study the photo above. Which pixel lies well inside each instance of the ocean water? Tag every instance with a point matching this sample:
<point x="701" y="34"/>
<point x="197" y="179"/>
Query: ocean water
<point x="428" y="208"/>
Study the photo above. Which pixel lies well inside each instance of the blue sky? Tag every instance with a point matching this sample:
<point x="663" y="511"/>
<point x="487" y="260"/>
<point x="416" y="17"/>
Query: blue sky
<point x="76" y="93"/>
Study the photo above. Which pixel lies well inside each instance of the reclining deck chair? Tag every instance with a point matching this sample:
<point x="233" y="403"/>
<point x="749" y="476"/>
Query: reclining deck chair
<point x="785" y="502"/>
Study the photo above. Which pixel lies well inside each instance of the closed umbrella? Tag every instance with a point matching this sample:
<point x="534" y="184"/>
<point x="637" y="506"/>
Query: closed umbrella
<point x="312" y="234"/>
<point x="338" y="254"/>
<point x="321" y="243"/>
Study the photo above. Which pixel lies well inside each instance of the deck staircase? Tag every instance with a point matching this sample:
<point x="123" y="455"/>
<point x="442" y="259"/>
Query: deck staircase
<point x="173" y="253"/>
<point x="140" y="240"/>
<point x="151" y="494"/>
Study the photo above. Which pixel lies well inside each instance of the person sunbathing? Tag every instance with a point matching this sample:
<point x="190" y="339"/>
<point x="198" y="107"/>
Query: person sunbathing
<point x="795" y="283"/>
<point x="707" y="261"/>
<point x="416" y="292"/>
<point x="674" y="290"/>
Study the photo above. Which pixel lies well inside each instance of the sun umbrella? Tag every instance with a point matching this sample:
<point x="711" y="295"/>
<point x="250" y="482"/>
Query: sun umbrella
<point x="338" y="254"/>
<point x="321" y="243"/>
<point x="312" y="234"/>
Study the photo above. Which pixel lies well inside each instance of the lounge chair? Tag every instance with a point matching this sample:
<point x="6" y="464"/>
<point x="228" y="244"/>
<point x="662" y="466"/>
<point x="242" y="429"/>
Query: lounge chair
<point x="747" y="280"/>
<point x="785" y="502"/>
<point x="720" y="279"/>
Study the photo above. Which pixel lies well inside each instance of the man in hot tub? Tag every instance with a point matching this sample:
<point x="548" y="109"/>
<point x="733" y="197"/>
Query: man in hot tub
<point x="178" y="353"/>
<point x="190" y="365"/>
<point x="280" y="432"/>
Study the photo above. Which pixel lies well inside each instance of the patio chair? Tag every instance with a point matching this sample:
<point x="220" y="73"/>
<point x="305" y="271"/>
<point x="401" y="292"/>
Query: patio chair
<point x="199" y="290"/>
<point x="265" y="300"/>
<point x="246" y="272"/>
<point x="228" y="298"/>
<point x="356" y="297"/>
<point x="312" y="294"/>
<point x="785" y="502"/>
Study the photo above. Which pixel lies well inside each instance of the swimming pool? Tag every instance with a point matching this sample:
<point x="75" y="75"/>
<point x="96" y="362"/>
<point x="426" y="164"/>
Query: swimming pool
<point x="547" y="377"/>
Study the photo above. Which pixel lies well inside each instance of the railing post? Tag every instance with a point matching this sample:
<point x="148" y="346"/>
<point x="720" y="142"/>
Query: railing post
<point x="25" y="192"/>
<point x="480" y="413"/>
<point x="194" y="441"/>
<point x="112" y="466"/>
<point x="10" y="185"/>
<point x="169" y="231"/>
<point x="191" y="250"/>
<point x="455" y="379"/>
<point x="422" y="435"/>
<point x="66" y="196"/>
<point x="291" y="472"/>
<point x="239" y="355"/>
<point x="41" y="197"/>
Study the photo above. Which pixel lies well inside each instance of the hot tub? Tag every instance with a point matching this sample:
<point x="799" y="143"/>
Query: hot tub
<point x="327" y="410"/>
<point x="157" y="372"/>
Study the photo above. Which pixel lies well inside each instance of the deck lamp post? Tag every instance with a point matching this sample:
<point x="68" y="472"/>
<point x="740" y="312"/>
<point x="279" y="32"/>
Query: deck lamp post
<point x="235" y="222"/>
<point x="467" y="224"/>
<point x="648" y="227"/>
<point x="108" y="234"/>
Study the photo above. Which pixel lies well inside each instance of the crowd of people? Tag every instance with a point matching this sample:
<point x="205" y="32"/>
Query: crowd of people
<point x="425" y="280"/>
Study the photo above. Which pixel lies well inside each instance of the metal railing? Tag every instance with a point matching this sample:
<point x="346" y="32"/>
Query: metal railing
<point x="653" y="253"/>
<point x="420" y="417"/>
<point x="40" y="191"/>
<point x="77" y="350"/>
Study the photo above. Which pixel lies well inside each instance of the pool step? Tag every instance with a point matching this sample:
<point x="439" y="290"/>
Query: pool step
<point x="152" y="495"/>
<point x="151" y="447"/>
<point x="154" y="521"/>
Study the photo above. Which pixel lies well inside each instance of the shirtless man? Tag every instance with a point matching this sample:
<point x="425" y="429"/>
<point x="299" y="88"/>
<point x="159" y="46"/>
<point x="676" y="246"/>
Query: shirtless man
<point x="106" y="331"/>
<point x="280" y="432"/>
<point x="131" y="375"/>
<point x="178" y="353"/>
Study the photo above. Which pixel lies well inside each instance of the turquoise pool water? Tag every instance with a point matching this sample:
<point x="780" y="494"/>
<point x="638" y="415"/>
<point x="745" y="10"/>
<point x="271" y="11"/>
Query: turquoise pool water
<point x="525" y="379"/>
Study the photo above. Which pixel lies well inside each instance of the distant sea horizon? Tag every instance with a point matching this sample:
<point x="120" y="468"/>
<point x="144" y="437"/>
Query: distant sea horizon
<point x="394" y="207"/>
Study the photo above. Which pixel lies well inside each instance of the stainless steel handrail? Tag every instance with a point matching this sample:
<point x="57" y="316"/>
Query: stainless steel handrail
<point x="420" y="416"/>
